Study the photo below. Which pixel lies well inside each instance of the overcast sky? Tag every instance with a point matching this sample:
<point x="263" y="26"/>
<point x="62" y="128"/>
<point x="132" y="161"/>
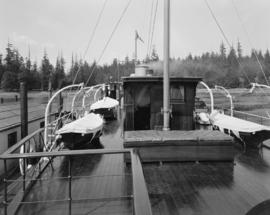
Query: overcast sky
<point x="66" y="25"/>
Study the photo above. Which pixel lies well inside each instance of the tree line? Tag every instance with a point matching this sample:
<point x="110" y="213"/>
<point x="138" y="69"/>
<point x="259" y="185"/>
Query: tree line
<point x="229" y="68"/>
<point x="15" y="68"/>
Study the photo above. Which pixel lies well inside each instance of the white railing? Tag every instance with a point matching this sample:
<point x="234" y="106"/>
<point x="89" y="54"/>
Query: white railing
<point x="48" y="107"/>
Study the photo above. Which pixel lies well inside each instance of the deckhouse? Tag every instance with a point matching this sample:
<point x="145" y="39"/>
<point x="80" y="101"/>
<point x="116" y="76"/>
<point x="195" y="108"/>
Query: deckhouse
<point x="143" y="102"/>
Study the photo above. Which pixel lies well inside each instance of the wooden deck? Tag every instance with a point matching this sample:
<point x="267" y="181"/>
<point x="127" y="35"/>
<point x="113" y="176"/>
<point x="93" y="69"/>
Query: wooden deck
<point x="101" y="184"/>
<point x="195" y="145"/>
<point x="207" y="188"/>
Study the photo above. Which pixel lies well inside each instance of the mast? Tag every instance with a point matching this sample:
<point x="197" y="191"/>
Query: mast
<point x="135" y="55"/>
<point x="166" y="78"/>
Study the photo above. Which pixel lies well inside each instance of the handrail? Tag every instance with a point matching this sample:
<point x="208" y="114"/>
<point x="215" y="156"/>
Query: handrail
<point x="85" y="95"/>
<point x="228" y="95"/>
<point x="98" y="86"/>
<point x="64" y="153"/>
<point x="75" y="96"/>
<point x="253" y="85"/>
<point x="211" y="95"/>
<point x="141" y="202"/>
<point x="48" y="108"/>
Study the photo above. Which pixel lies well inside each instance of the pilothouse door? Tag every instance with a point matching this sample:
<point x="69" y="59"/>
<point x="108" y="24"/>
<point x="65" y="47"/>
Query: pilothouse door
<point x="142" y="108"/>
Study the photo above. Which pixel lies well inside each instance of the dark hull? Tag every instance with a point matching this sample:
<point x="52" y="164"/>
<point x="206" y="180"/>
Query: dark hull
<point x="107" y="113"/>
<point x="72" y="140"/>
<point x="255" y="139"/>
<point x="250" y="139"/>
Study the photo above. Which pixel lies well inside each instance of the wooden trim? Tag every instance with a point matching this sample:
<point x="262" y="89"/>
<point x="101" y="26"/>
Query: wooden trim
<point x="142" y="205"/>
<point x="159" y="78"/>
<point x="63" y="153"/>
<point x="141" y="200"/>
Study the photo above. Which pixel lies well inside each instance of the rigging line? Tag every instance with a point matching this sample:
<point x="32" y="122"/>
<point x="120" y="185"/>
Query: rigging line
<point x="248" y="37"/>
<point x="251" y="44"/>
<point x="150" y="27"/>
<point x="153" y="28"/>
<point x="216" y="21"/>
<point x="228" y="43"/>
<point x="109" y="40"/>
<point x="225" y="37"/>
<point x="91" y="37"/>
<point x="95" y="28"/>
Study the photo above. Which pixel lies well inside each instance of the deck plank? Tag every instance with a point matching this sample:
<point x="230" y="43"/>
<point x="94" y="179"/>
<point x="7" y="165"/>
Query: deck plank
<point x="104" y="186"/>
<point x="154" y="137"/>
<point x="205" y="188"/>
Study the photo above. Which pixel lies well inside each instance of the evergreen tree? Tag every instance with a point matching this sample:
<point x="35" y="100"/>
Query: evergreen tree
<point x="267" y="63"/>
<point x="46" y="72"/>
<point x="59" y="73"/>
<point x="73" y="70"/>
<point x="189" y="57"/>
<point x="14" y="64"/>
<point x="267" y="57"/>
<point x="8" y="81"/>
<point x="260" y="56"/>
<point x="26" y="73"/>
<point x="253" y="54"/>
<point x="222" y="50"/>
<point x="232" y="58"/>
<point x="36" y="78"/>
<point x="9" y="57"/>
<point x="2" y="69"/>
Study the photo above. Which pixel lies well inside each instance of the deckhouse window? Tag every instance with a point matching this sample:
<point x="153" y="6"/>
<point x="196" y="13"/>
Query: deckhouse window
<point x="42" y="124"/>
<point x="177" y="93"/>
<point x="12" y="139"/>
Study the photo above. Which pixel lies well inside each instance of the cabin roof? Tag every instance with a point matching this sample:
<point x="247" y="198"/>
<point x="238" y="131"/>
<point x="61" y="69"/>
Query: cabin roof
<point x="159" y="79"/>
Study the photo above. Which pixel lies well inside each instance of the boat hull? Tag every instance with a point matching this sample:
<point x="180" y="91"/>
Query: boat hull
<point x="107" y="113"/>
<point x="251" y="139"/>
<point x="73" y="140"/>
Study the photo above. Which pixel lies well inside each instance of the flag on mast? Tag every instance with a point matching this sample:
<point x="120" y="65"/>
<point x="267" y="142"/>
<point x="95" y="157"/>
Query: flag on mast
<point x="137" y="36"/>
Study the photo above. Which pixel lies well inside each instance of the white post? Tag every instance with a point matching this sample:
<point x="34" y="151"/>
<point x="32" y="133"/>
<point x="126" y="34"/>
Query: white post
<point x="211" y="95"/>
<point x="166" y="67"/>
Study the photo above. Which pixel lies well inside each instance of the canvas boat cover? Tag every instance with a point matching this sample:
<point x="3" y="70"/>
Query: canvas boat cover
<point x="236" y="124"/>
<point x="106" y="102"/>
<point x="90" y="123"/>
<point x="204" y="118"/>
